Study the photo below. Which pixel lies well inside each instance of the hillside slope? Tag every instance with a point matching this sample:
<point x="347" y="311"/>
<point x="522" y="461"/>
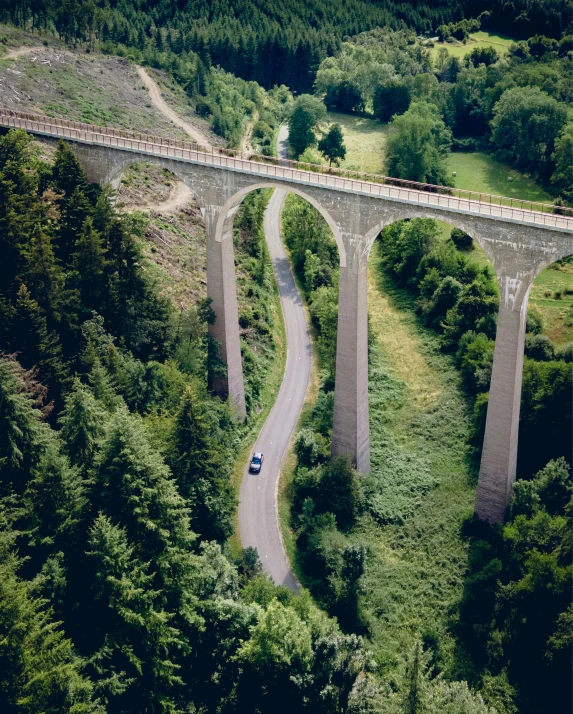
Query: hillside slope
<point x="96" y="89"/>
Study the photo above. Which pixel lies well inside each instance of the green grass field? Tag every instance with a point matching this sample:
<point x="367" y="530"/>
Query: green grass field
<point x="556" y="311"/>
<point x="364" y="139"/>
<point x="419" y="424"/>
<point x="479" y="172"/>
<point x="477" y="39"/>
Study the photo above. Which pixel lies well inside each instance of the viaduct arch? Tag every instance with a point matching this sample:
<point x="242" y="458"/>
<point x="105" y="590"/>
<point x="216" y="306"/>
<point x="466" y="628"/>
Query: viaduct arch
<point x="519" y="243"/>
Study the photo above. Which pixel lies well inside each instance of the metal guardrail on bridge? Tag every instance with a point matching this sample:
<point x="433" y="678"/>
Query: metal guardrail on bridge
<point x="446" y="197"/>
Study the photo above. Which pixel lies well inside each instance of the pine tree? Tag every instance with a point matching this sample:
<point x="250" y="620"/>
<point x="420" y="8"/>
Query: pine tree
<point x="89" y="265"/>
<point x="134" y="665"/>
<point x="68" y="179"/>
<point x="133" y="486"/>
<point x="67" y="174"/>
<point x="22" y="435"/>
<point x="39" y="671"/>
<point x="55" y="500"/>
<point x="75" y="210"/>
<point x="43" y="276"/>
<point x="199" y="465"/>
<point x="19" y="207"/>
<point x="102" y="387"/>
<point x="36" y="345"/>
<point x="82" y="423"/>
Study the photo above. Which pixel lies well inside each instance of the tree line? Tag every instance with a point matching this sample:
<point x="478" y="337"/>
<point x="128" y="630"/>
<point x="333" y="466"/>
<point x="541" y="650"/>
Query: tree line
<point x="270" y="43"/>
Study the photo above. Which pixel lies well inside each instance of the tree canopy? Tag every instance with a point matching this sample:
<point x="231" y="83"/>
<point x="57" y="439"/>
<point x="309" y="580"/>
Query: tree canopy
<point x="418" y="145"/>
<point x="332" y="145"/>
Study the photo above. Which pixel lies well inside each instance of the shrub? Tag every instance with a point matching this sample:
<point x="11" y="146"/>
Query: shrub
<point x="461" y="240"/>
<point x="310" y="447"/>
<point x="534" y="322"/>
<point x="539" y="347"/>
<point x="339" y="492"/>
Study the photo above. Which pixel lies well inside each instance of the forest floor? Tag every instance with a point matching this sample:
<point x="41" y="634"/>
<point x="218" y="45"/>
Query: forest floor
<point x="172" y="234"/>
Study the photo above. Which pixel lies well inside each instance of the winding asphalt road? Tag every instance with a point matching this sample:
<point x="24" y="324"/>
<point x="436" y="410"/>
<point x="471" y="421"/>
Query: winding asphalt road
<point x="258" y="511"/>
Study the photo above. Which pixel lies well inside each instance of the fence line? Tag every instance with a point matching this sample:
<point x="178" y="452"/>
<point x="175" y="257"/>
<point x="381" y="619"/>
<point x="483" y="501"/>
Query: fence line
<point x="341" y="179"/>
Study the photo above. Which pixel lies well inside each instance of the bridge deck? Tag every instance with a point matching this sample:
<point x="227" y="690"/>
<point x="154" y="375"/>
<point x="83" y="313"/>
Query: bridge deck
<point x="439" y="197"/>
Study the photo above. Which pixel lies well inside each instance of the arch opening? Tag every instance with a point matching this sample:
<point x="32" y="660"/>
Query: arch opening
<point x="173" y="228"/>
<point x="172" y="167"/>
<point x="237" y="198"/>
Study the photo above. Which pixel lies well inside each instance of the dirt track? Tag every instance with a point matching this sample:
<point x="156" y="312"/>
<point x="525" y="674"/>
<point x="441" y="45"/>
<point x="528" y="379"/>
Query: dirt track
<point x="179" y="197"/>
<point x="159" y="103"/>
<point x="20" y="51"/>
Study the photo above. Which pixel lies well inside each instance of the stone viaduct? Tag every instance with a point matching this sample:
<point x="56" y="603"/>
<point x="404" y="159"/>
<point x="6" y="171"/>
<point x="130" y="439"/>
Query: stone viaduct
<point x="519" y="242"/>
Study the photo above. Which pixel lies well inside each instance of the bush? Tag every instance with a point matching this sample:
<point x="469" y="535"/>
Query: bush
<point x="461" y="240"/>
<point x="310" y="447"/>
<point x="475" y="359"/>
<point x="534" y="322"/>
<point x="539" y="347"/>
<point x="339" y="492"/>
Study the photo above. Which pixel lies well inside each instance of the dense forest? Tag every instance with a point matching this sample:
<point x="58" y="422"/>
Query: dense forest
<point x="117" y="592"/>
<point x="514" y="106"/>
<point x="270" y="43"/>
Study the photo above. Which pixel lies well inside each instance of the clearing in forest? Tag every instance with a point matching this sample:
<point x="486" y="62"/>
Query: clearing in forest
<point x="364" y="139"/>
<point x="480" y="172"/>
<point x="477" y="39"/>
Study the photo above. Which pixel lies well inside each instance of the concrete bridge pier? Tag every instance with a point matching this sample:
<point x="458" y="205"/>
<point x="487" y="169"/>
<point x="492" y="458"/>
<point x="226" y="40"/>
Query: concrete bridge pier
<point x="227" y="381"/>
<point x="499" y="453"/>
<point x="350" y="429"/>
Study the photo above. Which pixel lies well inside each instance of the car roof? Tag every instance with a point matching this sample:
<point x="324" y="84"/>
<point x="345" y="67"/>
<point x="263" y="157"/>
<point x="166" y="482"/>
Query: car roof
<point x="257" y="455"/>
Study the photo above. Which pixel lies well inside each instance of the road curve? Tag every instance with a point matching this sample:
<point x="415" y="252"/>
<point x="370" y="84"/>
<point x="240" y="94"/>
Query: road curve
<point x="258" y="512"/>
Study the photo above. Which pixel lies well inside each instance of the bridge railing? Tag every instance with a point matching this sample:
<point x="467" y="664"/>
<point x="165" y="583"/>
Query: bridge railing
<point x="133" y="139"/>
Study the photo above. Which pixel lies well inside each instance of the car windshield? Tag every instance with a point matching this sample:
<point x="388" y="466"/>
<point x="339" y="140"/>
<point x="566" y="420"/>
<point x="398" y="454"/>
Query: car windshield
<point x="256" y="460"/>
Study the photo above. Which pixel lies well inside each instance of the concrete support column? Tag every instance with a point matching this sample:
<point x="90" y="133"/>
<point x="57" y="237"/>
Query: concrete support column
<point x="222" y="289"/>
<point x="499" y="454"/>
<point x="350" y="430"/>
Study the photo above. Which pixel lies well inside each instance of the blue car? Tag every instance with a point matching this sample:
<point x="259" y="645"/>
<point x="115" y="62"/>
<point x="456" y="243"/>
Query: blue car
<point x="256" y="463"/>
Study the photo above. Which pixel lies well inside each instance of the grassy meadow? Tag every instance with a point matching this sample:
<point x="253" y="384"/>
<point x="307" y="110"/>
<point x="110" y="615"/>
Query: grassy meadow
<point x="476" y="39"/>
<point x="419" y="433"/>
<point x="483" y="174"/>
<point x="364" y="139"/>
